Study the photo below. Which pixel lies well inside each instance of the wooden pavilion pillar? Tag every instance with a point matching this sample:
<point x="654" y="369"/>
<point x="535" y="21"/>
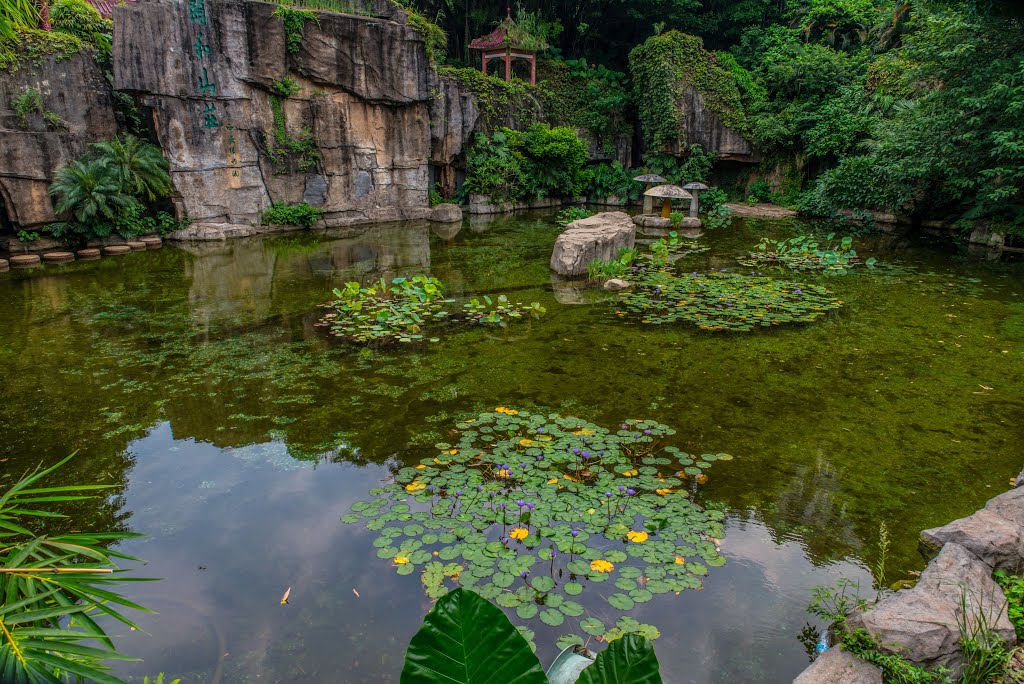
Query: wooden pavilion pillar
<point x="533" y="69"/>
<point x="508" y="64"/>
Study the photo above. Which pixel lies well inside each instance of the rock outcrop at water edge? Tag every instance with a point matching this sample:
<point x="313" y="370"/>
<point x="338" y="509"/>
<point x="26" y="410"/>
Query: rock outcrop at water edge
<point x="598" y="237"/>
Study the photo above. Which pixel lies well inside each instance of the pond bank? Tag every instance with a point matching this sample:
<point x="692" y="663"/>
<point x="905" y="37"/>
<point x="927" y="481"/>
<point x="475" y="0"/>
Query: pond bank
<point x="922" y="623"/>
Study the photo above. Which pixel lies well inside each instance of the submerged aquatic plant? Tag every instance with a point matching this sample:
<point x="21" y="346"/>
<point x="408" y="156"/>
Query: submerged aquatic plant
<point x="497" y="312"/>
<point x="396" y="310"/>
<point x="803" y="253"/>
<point x="400" y="311"/>
<point x="529" y="509"/>
<point x="725" y="301"/>
<point x="671" y="248"/>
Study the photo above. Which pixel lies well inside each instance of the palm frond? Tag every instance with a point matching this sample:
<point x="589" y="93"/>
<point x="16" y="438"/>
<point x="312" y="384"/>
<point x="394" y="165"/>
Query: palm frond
<point x="52" y="589"/>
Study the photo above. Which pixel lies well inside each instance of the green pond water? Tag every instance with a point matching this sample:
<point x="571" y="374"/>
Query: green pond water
<point x="237" y="434"/>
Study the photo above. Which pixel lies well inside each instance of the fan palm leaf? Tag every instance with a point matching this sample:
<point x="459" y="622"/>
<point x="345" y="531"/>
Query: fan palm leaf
<point x="140" y="166"/>
<point x="90" y="191"/>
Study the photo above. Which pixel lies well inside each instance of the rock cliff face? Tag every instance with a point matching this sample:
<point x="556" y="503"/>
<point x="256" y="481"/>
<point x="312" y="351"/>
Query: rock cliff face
<point x="213" y="77"/>
<point x="703" y="127"/>
<point x="75" y="90"/>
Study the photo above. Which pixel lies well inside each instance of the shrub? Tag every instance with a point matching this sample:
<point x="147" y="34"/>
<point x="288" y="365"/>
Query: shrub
<point x="539" y="162"/>
<point x="81" y="20"/>
<point x="284" y="214"/>
<point x="570" y="214"/>
<point x="613" y="180"/>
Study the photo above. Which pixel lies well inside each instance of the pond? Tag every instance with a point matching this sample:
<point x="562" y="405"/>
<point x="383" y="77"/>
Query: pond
<point x="238" y="434"/>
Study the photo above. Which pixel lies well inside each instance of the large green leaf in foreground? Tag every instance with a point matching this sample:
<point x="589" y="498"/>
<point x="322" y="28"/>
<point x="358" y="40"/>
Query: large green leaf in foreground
<point x="467" y="640"/>
<point x="629" y="660"/>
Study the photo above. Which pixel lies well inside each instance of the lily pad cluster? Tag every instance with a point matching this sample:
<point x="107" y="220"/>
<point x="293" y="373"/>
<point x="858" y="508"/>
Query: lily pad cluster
<point x="803" y="253"/>
<point x="725" y="301"/>
<point x="531" y="510"/>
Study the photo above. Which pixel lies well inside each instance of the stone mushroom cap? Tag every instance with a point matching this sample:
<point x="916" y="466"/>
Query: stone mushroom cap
<point x="650" y="178"/>
<point x="669" y="192"/>
<point x="696" y="185"/>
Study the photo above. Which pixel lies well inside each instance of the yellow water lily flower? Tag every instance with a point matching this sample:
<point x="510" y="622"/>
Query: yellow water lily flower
<point x="440" y="462"/>
<point x="419" y="466"/>
<point x="519" y="533"/>
<point x="502" y="473"/>
<point x="680" y="560"/>
<point x="702" y="478"/>
<point x="663" y="492"/>
<point x="600" y="565"/>
<point x="401" y="560"/>
<point x="526" y="442"/>
<point x="453" y="451"/>
<point x="553" y="480"/>
<point x="630" y="473"/>
<point x="636" y="537"/>
<point x="415" y="486"/>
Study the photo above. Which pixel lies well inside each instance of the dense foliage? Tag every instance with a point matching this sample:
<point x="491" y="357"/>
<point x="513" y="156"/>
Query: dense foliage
<point x="539" y="162"/>
<point x="903" y="106"/>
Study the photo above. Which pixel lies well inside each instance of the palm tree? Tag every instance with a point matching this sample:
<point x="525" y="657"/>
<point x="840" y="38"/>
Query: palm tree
<point x="90" y="191"/>
<point x="139" y="166"/>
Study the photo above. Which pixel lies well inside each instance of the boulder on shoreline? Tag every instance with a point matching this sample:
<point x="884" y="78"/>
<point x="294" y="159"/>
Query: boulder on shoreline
<point x="836" y="666"/>
<point x="598" y="237"/>
<point x="920" y="624"/>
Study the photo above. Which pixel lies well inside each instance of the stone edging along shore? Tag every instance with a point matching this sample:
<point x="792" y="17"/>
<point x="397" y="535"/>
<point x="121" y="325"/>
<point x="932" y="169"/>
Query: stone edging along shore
<point x="920" y="623"/>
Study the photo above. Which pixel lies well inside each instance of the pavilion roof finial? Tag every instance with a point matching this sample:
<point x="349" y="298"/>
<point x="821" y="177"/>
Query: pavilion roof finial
<point x="509" y="8"/>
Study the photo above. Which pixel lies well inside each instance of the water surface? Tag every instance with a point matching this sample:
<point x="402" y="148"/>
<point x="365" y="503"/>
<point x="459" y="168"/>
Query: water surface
<point x="237" y="434"/>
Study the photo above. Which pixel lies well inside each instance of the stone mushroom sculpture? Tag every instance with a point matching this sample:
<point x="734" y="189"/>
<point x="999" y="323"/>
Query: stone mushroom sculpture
<point x="695" y="188"/>
<point x="667" y="193"/>
<point x="650" y="179"/>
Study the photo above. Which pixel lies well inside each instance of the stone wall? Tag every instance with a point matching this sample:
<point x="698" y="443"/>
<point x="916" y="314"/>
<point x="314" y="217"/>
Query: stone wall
<point x="207" y="88"/>
<point x="72" y="87"/>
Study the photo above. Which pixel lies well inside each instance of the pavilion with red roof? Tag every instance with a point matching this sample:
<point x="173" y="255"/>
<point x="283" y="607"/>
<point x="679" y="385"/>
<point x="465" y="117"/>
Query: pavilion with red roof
<point x="498" y="45"/>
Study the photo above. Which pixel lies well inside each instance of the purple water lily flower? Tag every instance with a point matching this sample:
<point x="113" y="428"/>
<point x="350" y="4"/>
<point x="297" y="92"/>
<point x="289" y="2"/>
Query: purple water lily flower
<point x="530" y="505"/>
<point x="630" y="492"/>
<point x="523" y="574"/>
<point x="586" y="454"/>
<point x="575" y="533"/>
<point x="647" y="432"/>
<point x="608" y="494"/>
<point x="622" y="488"/>
<point x="458" y="492"/>
<point x="540" y="431"/>
<point x="576" y="450"/>
<point x="520" y="503"/>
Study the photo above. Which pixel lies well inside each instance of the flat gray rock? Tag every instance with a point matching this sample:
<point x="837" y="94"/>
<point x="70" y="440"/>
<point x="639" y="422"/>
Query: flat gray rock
<point x="836" y="666"/>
